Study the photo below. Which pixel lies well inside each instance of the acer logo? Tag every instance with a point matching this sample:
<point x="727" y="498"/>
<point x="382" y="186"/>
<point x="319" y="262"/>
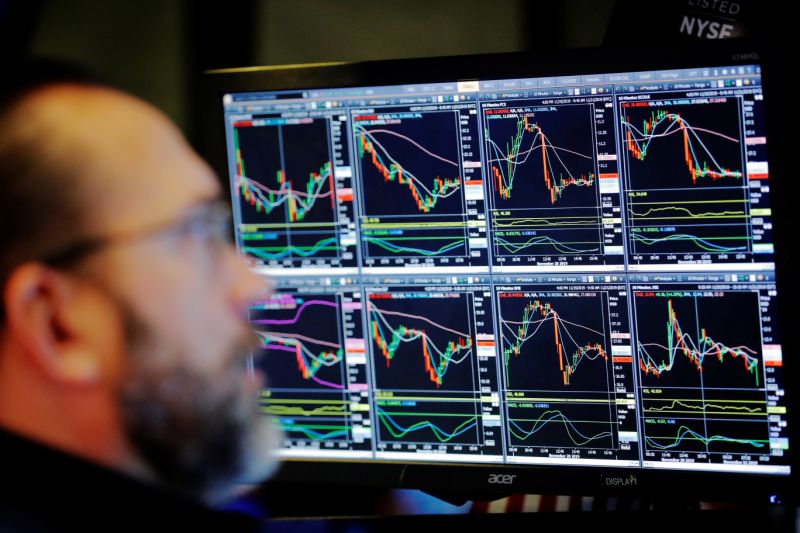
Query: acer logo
<point x="501" y="479"/>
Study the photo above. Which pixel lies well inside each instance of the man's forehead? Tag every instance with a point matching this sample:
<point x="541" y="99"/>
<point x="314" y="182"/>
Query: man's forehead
<point x="134" y="164"/>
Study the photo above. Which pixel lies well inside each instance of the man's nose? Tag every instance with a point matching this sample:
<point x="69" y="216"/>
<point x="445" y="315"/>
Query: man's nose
<point x="246" y="286"/>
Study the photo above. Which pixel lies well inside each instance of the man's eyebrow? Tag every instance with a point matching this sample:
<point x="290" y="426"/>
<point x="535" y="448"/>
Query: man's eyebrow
<point x="76" y="250"/>
<point x="202" y="204"/>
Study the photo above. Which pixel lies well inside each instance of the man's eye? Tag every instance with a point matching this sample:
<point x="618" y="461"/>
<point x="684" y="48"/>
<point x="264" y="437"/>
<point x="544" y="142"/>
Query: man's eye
<point x="197" y="229"/>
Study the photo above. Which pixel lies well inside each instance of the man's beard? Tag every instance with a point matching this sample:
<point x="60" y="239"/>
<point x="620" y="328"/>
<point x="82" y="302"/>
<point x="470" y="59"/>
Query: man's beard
<point x="200" y="434"/>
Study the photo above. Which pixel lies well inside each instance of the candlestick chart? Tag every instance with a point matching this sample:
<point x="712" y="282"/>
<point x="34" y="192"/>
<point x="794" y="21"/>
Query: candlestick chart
<point x="685" y="176"/>
<point x="701" y="372"/>
<point x="425" y="367"/>
<point x="423" y="342"/>
<point x="286" y="191"/>
<point x="557" y="367"/>
<point x="302" y="353"/>
<point x="412" y="185"/>
<point x="544" y="180"/>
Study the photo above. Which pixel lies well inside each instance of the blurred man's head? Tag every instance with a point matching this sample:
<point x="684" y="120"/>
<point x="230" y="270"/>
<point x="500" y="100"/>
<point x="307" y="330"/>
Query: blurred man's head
<point x="122" y="333"/>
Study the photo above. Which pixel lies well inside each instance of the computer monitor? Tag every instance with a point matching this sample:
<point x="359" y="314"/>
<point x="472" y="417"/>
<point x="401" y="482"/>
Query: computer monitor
<point x="516" y="272"/>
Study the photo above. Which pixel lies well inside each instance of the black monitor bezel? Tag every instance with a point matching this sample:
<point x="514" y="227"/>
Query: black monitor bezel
<point x="474" y="480"/>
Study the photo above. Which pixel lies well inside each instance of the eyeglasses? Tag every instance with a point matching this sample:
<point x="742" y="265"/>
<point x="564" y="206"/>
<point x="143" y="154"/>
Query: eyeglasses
<point x="209" y="226"/>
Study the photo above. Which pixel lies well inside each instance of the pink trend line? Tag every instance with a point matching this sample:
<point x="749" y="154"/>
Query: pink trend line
<point x="412" y="141"/>
<point x="315" y="378"/>
<point x="297" y="337"/>
<point x="280" y="347"/>
<point x="327" y="383"/>
<point x="688" y="126"/>
<point x="296" y="316"/>
<point x="277" y="192"/>
<point x="417" y="317"/>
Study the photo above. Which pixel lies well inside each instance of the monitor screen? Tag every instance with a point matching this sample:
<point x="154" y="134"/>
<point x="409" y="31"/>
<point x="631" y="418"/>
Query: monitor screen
<point x="570" y="267"/>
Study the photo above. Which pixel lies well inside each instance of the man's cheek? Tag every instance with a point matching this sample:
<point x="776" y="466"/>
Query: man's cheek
<point x="214" y="333"/>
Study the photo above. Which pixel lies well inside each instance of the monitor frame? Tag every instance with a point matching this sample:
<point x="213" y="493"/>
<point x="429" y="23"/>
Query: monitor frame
<point x="475" y="481"/>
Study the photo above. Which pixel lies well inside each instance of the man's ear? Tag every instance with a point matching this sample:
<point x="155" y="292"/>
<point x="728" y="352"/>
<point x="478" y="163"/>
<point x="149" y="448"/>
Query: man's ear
<point x="43" y="318"/>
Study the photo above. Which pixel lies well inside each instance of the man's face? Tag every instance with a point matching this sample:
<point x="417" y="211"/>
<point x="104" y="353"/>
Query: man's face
<point x="186" y="396"/>
<point x="199" y="431"/>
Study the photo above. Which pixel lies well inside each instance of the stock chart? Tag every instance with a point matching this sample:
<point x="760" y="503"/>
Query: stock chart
<point x="427" y="368"/>
<point x="289" y="205"/>
<point x="566" y="383"/>
<point x="547" y="203"/>
<point x="417" y="195"/>
<point x="567" y="270"/>
<point x="309" y="349"/>
<point x="703" y="372"/>
<point x="689" y="198"/>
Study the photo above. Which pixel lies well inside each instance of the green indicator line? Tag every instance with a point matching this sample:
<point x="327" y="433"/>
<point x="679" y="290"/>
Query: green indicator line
<point x="755" y="442"/>
<point x="709" y="214"/>
<point x="704" y="243"/>
<point x="317" y="431"/>
<point x="705" y="217"/>
<point x="651" y="399"/>
<point x="693" y="202"/>
<point x="317" y="426"/>
<point x="506" y="234"/>
<point x="601" y="422"/>
<point x="424" y="399"/>
<point x="555" y="417"/>
<point x="500" y="218"/>
<point x="284" y="248"/>
<point x="496" y="216"/>
<point x="692" y="237"/>
<point x="281" y="252"/>
<point x="761" y="414"/>
<point x="703" y="407"/>
<point x="414" y="225"/>
<point x="461" y="238"/>
<point x="323" y="402"/>
<point x="441" y="435"/>
<point x="452" y="245"/>
<point x="524" y="223"/>
<point x="420" y="413"/>
<point x="299" y="411"/>
<point x="559" y="400"/>
<point x="561" y="247"/>
<point x="685" y="434"/>
<point x="257" y="227"/>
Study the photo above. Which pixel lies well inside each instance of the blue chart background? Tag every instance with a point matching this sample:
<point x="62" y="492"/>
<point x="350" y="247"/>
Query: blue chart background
<point x="315" y="321"/>
<point x="568" y="127"/>
<point x="663" y="166"/>
<point x="305" y="149"/>
<point x="537" y="366"/>
<point x="407" y="369"/>
<point x="436" y="132"/>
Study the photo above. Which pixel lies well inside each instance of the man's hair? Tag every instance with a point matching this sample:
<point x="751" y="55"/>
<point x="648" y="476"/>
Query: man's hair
<point x="41" y="207"/>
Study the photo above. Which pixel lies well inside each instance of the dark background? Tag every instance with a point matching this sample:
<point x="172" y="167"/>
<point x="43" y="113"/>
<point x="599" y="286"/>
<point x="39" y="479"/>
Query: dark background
<point x="157" y="49"/>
